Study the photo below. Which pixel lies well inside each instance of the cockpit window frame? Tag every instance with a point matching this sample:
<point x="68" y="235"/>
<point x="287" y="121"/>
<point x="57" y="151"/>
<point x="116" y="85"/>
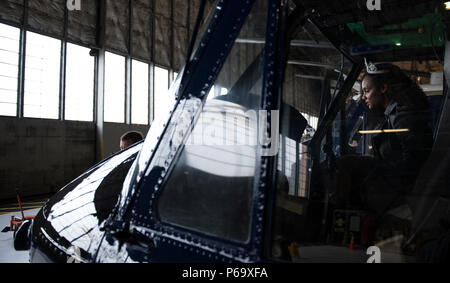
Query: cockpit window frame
<point x="136" y="205"/>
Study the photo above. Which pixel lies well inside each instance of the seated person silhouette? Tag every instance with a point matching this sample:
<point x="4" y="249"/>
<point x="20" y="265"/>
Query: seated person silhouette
<point x="401" y="144"/>
<point x="130" y="138"/>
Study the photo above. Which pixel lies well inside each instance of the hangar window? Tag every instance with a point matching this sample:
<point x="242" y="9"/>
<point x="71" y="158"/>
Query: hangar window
<point x="161" y="88"/>
<point x="114" y="110"/>
<point x="9" y="60"/>
<point x="42" y="76"/>
<point x="290" y="162"/>
<point x="79" y="102"/>
<point x="139" y="93"/>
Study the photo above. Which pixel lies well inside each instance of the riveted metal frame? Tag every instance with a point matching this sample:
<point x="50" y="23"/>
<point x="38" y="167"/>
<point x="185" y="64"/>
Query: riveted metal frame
<point x="198" y="79"/>
<point x="275" y="65"/>
<point x="139" y="207"/>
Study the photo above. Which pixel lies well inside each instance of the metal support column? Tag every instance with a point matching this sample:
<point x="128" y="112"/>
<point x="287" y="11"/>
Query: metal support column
<point x="151" y="93"/>
<point x="100" y="82"/>
<point x="128" y="67"/>
<point x="128" y="90"/>
<point x="22" y="59"/>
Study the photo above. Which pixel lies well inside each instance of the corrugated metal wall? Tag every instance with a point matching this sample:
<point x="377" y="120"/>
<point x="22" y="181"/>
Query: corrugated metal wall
<point x="117" y="25"/>
<point x="150" y="30"/>
<point x="82" y="25"/>
<point x="47" y="16"/>
<point x="141" y="29"/>
<point x="12" y="11"/>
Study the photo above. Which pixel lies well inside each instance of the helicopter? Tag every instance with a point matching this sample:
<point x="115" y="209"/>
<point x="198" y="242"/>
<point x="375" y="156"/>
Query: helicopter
<point x="238" y="170"/>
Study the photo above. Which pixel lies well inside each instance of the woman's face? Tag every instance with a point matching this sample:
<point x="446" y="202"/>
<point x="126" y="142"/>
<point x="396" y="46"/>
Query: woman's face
<point x="372" y="96"/>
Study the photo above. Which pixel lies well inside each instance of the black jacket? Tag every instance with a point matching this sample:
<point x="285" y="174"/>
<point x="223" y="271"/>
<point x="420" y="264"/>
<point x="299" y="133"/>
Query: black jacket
<point x="400" y="155"/>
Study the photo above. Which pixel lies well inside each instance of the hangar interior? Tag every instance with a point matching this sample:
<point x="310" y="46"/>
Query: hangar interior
<point x="73" y="81"/>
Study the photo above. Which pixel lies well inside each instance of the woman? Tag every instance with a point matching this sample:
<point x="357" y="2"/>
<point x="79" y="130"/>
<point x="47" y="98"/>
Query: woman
<point x="401" y="143"/>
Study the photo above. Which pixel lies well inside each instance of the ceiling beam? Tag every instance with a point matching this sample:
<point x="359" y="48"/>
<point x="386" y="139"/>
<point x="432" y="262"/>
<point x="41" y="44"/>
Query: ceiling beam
<point x="295" y="42"/>
<point x="313" y="64"/>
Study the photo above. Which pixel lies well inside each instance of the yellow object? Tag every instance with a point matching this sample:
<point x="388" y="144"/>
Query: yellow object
<point x="447" y="5"/>
<point x="293" y="250"/>
<point x="384" y="131"/>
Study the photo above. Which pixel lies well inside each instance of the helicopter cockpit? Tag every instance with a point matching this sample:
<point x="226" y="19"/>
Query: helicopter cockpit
<point x="324" y="82"/>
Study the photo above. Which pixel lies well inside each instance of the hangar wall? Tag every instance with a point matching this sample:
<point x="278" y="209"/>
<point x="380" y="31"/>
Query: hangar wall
<point x="40" y="156"/>
<point x="155" y="31"/>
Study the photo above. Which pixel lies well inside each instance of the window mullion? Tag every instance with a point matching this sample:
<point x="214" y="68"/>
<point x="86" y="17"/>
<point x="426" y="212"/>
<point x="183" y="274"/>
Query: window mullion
<point x="62" y="81"/>
<point x="21" y="75"/>
<point x="128" y="90"/>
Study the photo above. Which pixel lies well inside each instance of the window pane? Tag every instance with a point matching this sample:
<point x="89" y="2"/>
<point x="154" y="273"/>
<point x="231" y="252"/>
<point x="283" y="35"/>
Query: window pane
<point x="290" y="160"/>
<point x="9" y="69"/>
<point x="114" y="88"/>
<point x="139" y="96"/>
<point x="79" y="102"/>
<point x="296" y="218"/>
<point x="161" y="91"/>
<point x="174" y="76"/>
<point x="42" y="73"/>
<point x="211" y="186"/>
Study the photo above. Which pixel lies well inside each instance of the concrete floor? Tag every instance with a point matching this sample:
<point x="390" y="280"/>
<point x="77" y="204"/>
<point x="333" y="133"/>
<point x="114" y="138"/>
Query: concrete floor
<point x="7" y="252"/>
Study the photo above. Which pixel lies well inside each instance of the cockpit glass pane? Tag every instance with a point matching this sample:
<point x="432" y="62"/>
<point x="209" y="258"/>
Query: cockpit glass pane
<point x="211" y="187"/>
<point x="359" y="176"/>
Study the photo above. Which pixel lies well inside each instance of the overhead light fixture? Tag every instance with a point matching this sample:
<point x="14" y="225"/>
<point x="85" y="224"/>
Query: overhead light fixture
<point x="383" y="131"/>
<point x="398" y="44"/>
<point x="447" y="5"/>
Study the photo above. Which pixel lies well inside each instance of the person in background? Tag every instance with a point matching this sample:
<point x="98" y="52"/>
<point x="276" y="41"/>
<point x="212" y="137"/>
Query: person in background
<point x="130" y="138"/>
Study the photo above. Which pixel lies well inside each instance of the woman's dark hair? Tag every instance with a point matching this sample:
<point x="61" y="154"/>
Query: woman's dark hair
<point x="400" y="88"/>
